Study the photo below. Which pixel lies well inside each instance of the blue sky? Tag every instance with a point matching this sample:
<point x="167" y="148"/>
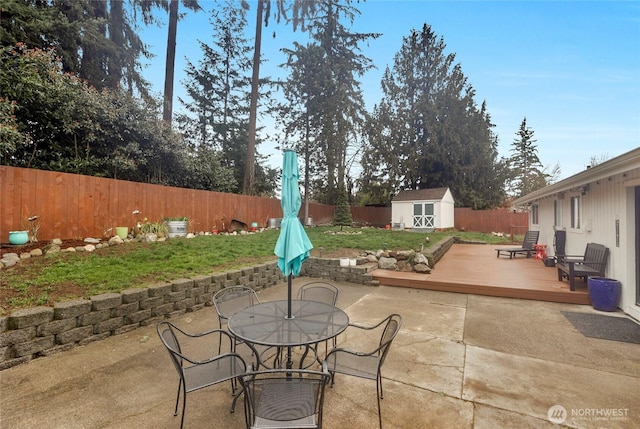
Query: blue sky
<point x="571" y="67"/>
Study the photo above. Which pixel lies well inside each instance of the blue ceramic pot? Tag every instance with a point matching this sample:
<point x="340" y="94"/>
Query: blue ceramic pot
<point x="604" y="293"/>
<point x="18" y="237"/>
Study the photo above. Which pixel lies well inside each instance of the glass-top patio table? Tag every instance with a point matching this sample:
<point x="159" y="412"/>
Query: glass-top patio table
<point x="267" y="324"/>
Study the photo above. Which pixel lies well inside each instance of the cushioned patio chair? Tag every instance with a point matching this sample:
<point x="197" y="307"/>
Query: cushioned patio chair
<point x="530" y="240"/>
<point x="284" y="398"/>
<point x="366" y="363"/>
<point x="199" y="370"/>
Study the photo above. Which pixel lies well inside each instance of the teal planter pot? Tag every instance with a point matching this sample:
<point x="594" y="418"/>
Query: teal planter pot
<point x="18" y="237"/>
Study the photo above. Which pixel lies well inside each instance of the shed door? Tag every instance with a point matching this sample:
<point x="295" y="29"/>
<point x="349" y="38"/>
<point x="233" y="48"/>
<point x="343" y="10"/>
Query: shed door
<point x="423" y="216"/>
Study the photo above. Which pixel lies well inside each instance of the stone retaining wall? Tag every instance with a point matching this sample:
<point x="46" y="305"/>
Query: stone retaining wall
<point x="330" y="269"/>
<point x="41" y="331"/>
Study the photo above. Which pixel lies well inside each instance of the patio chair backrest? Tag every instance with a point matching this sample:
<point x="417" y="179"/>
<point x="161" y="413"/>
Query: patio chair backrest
<point x="559" y="242"/>
<point x="230" y="300"/>
<point x="283" y="398"/>
<point x="388" y="334"/>
<point x="320" y="292"/>
<point x="530" y="239"/>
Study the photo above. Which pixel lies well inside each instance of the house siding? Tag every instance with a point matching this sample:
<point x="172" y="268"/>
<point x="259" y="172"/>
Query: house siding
<point x="610" y="199"/>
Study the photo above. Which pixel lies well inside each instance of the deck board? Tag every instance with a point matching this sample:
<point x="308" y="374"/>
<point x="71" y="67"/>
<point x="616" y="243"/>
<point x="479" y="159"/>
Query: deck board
<point x="475" y="269"/>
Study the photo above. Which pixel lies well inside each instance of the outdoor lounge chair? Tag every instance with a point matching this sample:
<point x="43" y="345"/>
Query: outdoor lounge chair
<point x="201" y="369"/>
<point x="366" y="364"/>
<point x="284" y="398"/>
<point x="530" y="240"/>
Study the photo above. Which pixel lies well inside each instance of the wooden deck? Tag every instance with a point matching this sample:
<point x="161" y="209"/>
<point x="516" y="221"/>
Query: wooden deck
<point x="475" y="269"/>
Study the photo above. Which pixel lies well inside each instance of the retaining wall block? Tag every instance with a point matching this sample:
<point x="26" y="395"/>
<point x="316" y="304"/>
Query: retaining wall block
<point x="74" y="335"/>
<point x="56" y="349"/>
<point x="160" y="289"/>
<point x="125" y="309"/>
<point x="151" y="302"/>
<point x="137" y="317"/>
<point x="183" y="304"/>
<point x="202" y="281"/>
<point x="194" y="291"/>
<point x="108" y="325"/>
<point x="30" y="317"/>
<point x="55" y="327"/>
<point x="105" y="301"/>
<point x="234" y="276"/>
<point x="134" y="295"/>
<point x="181" y="285"/>
<point x="174" y="297"/>
<point x="32" y="347"/>
<point x="162" y="310"/>
<point x="17" y="336"/>
<point x="94" y="317"/>
<point x="70" y="309"/>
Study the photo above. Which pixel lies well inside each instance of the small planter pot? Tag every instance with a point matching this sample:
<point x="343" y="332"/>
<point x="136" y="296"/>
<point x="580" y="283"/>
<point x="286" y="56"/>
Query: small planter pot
<point x="18" y="237"/>
<point x="604" y="293"/>
<point x="122" y="231"/>
<point x="177" y="228"/>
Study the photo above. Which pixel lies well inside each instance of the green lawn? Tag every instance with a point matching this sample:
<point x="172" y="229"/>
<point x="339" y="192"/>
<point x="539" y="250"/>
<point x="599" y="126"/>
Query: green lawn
<point x="43" y="280"/>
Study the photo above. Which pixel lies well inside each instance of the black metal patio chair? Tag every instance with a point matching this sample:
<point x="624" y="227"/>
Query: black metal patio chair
<point x="320" y="292"/>
<point x="228" y="301"/>
<point x="284" y="398"/>
<point x="366" y="364"/>
<point x="199" y="370"/>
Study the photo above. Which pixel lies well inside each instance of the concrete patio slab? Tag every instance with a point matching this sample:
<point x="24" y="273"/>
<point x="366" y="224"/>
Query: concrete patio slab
<point x="459" y="361"/>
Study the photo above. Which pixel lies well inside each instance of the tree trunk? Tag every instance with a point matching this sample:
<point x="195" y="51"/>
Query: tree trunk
<point x="167" y="111"/>
<point x="249" y="173"/>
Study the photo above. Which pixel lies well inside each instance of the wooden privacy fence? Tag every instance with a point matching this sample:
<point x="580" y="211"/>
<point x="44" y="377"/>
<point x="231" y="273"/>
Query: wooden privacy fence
<point x="498" y="220"/>
<point x="71" y="206"/>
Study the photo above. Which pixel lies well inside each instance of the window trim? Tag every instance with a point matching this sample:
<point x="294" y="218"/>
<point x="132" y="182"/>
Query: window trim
<point x="535" y="214"/>
<point x="575" y="211"/>
<point x="557" y="214"/>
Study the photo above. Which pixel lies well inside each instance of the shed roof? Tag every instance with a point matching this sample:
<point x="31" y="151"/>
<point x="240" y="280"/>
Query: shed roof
<point x="421" y="194"/>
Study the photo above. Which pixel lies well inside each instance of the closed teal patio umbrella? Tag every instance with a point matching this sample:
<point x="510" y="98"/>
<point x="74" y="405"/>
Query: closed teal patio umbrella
<point x="293" y="245"/>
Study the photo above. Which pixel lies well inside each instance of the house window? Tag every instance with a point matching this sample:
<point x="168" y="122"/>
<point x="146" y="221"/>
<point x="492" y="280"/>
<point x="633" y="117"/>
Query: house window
<point x="576" y="212"/>
<point x="534" y="214"/>
<point x="557" y="213"/>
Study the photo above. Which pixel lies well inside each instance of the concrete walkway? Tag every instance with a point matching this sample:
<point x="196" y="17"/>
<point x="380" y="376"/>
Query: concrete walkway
<point x="459" y="361"/>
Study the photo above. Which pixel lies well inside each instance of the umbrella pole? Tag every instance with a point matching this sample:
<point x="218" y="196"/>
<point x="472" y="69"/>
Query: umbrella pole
<point x="289" y="363"/>
<point x="289" y="297"/>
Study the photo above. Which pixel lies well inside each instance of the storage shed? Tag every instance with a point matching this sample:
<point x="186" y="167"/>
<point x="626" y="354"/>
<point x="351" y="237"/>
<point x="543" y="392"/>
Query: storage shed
<point x="424" y="209"/>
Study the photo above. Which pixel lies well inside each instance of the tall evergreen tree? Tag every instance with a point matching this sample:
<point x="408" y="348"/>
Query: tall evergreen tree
<point x="328" y="100"/>
<point x="526" y="168"/>
<point x="427" y="131"/>
<point x="218" y="89"/>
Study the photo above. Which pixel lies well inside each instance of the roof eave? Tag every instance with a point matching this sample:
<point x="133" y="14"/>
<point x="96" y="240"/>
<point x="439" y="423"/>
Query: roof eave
<point x="602" y="171"/>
